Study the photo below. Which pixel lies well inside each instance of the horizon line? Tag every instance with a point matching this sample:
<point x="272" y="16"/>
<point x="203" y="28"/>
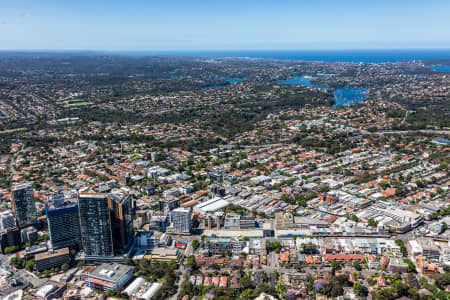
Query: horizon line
<point x="230" y="50"/>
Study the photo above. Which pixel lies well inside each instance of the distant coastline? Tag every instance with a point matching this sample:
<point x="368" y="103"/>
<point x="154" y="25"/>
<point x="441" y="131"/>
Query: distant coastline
<point x="431" y="57"/>
<point x="364" y="56"/>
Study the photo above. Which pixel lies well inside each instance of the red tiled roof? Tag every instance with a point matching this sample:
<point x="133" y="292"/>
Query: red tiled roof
<point x="100" y="282"/>
<point x="344" y="257"/>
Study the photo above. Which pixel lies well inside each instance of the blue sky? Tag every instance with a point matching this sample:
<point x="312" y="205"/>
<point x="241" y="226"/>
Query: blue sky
<point x="228" y="24"/>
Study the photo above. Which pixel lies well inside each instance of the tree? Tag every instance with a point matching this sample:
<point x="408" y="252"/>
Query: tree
<point x="265" y="288"/>
<point x="359" y="289"/>
<point x="245" y="282"/>
<point x="354" y="218"/>
<point x="276" y="246"/>
<point x="402" y="247"/>
<point x="195" y="244"/>
<point x="384" y="184"/>
<point x="335" y="265"/>
<point x="372" y="223"/>
<point x="111" y="293"/>
<point x="119" y="290"/>
<point x="65" y="267"/>
<point x="411" y="265"/>
<point x="357" y="266"/>
<point x="191" y="262"/>
<point x="186" y="288"/>
<point x="247" y="294"/>
<point x="17" y="262"/>
<point x="11" y="249"/>
<point x="308" y="248"/>
<point x="423" y="281"/>
<point x="334" y="288"/>
<point x="29" y="265"/>
<point x="442" y="280"/>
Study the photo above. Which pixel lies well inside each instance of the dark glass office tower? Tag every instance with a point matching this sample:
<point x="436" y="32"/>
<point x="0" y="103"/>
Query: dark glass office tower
<point x="63" y="225"/>
<point x="23" y="204"/>
<point x="122" y="213"/>
<point x="95" y="224"/>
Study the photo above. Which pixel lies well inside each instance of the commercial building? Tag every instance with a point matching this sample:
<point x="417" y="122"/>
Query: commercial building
<point x="6" y="220"/>
<point x="217" y="191"/>
<point x="10" y="238"/>
<point x="51" y="259"/>
<point x="134" y="286"/>
<point x="23" y="204"/>
<point x="232" y="221"/>
<point x="429" y="250"/>
<point x="164" y="240"/>
<point x="181" y="220"/>
<point x="145" y="241"/>
<point x="222" y="246"/>
<point x="158" y="222"/>
<point x="63" y="225"/>
<point x="397" y="265"/>
<point x="214" y="220"/>
<point x="164" y="254"/>
<point x="122" y="212"/>
<point x="95" y="225"/>
<point x="284" y="220"/>
<point x="305" y="223"/>
<point x="168" y="204"/>
<point x="29" y="235"/>
<point x="50" y="290"/>
<point x="109" y="276"/>
<point x="399" y="220"/>
<point x="211" y="206"/>
<point x="152" y="291"/>
<point x="235" y="221"/>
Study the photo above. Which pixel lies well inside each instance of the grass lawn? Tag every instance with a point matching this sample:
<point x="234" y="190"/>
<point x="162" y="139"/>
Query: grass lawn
<point x="13" y="130"/>
<point x="75" y="102"/>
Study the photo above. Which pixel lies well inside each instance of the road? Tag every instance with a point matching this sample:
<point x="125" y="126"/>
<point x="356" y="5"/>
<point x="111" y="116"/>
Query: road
<point x="428" y="131"/>
<point x="13" y="159"/>
<point x="22" y="273"/>
<point x="272" y="261"/>
<point x="187" y="252"/>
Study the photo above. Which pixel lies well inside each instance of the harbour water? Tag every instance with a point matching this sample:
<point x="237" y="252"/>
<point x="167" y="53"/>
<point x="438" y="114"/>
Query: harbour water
<point x="229" y="80"/>
<point x="342" y="96"/>
<point x="445" y="69"/>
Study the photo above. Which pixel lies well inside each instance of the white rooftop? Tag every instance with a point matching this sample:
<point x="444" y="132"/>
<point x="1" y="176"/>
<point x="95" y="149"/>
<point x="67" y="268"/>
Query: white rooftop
<point x="211" y="205"/>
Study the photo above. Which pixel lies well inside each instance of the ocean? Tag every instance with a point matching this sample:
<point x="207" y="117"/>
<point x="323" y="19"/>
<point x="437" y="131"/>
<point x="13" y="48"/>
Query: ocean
<point x="365" y="56"/>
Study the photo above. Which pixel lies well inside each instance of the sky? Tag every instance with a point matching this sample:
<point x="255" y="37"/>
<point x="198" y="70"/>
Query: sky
<point x="147" y="25"/>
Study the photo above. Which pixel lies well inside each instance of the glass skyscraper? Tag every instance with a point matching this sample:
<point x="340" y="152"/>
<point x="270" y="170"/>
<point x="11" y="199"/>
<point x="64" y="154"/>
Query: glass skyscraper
<point x="121" y="221"/>
<point x="23" y="204"/>
<point x="95" y="224"/>
<point x="63" y="225"/>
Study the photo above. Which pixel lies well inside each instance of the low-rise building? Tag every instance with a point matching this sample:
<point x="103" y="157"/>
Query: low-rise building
<point x="51" y="259"/>
<point x="109" y="276"/>
<point x="50" y="290"/>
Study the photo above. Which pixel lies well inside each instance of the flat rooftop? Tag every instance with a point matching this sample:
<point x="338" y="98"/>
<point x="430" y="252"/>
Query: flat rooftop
<point x="50" y="254"/>
<point x="110" y="272"/>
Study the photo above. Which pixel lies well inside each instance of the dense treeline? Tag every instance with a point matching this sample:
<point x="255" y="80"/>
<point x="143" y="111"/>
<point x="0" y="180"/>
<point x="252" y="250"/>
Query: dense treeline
<point x="331" y="144"/>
